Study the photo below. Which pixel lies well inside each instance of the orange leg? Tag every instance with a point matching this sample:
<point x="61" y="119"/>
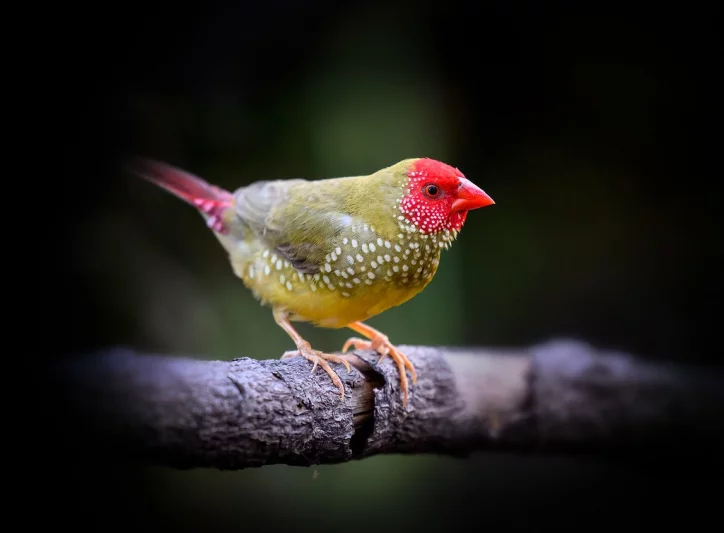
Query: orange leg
<point x="305" y="350"/>
<point x="381" y="344"/>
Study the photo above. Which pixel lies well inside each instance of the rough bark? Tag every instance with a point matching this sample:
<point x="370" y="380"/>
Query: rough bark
<point x="557" y="397"/>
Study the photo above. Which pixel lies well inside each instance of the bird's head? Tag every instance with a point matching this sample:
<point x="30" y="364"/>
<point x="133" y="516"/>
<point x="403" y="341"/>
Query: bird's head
<point x="438" y="197"/>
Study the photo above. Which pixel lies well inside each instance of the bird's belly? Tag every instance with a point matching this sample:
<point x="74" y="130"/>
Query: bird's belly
<point x="332" y="310"/>
<point x="322" y="299"/>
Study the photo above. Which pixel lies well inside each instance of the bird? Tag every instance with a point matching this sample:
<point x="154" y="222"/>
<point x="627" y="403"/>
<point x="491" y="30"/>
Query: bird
<point x="333" y="252"/>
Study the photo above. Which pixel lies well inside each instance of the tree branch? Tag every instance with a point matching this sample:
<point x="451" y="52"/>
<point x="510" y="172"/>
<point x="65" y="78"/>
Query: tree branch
<point x="557" y="397"/>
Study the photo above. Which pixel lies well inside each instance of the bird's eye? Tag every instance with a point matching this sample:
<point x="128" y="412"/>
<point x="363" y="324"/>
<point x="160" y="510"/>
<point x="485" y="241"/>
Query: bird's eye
<point x="431" y="190"/>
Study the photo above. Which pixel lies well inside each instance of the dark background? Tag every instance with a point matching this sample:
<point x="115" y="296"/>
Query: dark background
<point x="596" y="133"/>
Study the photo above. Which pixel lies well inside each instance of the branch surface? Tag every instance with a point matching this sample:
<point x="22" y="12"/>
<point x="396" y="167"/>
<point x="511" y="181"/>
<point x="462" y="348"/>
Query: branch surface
<point x="561" y="396"/>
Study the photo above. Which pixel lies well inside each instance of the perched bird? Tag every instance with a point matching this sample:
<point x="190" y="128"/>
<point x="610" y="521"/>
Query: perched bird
<point x="334" y="252"/>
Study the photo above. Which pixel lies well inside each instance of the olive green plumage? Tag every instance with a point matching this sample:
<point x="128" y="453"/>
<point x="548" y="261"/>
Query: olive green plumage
<point x="331" y="251"/>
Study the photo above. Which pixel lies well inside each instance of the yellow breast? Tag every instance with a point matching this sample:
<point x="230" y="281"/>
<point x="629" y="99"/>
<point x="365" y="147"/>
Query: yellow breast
<point x="360" y="278"/>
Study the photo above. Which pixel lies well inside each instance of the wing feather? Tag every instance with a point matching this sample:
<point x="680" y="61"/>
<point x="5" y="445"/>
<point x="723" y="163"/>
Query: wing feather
<point x="297" y="218"/>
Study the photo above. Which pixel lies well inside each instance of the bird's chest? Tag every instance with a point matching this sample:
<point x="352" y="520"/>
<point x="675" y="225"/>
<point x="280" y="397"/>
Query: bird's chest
<point x="362" y="274"/>
<point x="367" y="263"/>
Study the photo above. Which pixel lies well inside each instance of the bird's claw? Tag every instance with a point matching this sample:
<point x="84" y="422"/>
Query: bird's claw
<point x="322" y="360"/>
<point x="381" y="344"/>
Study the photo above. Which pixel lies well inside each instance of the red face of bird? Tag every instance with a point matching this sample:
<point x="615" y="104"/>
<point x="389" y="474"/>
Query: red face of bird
<point x="439" y="197"/>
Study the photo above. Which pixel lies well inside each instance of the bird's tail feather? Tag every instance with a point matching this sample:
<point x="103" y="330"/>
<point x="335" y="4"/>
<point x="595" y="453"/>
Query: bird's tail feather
<point x="212" y="201"/>
<point x="180" y="183"/>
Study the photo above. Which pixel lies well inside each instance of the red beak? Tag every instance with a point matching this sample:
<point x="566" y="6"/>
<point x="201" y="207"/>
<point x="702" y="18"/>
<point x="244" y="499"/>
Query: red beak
<point x="470" y="196"/>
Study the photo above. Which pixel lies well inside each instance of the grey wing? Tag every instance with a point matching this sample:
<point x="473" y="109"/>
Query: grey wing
<point x="279" y="212"/>
<point x="256" y="203"/>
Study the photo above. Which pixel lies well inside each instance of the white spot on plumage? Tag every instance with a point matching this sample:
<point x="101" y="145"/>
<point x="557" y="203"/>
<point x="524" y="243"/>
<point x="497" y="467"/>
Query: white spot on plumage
<point x="289" y="286"/>
<point x="350" y="270"/>
<point x="267" y="270"/>
<point x="365" y="249"/>
<point x="325" y="278"/>
<point x="354" y="243"/>
<point x="345" y="241"/>
<point x="355" y="281"/>
<point x="327" y="267"/>
<point x="251" y="271"/>
<point x="338" y="251"/>
<point x="370" y="275"/>
<point x="372" y="247"/>
<point x="279" y="264"/>
<point x="373" y="264"/>
<point x="359" y="258"/>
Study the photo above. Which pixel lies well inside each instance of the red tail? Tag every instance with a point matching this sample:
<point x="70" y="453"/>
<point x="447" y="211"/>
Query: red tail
<point x="208" y="198"/>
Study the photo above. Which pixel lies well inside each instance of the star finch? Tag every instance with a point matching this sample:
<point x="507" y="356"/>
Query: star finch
<point x="334" y="252"/>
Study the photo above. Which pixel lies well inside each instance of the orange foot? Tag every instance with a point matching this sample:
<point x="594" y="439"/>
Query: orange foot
<point x="319" y="358"/>
<point x="305" y="350"/>
<point x="381" y="344"/>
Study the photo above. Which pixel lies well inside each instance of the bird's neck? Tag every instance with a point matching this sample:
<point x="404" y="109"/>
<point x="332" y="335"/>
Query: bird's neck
<point x="415" y="255"/>
<point x="387" y="215"/>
